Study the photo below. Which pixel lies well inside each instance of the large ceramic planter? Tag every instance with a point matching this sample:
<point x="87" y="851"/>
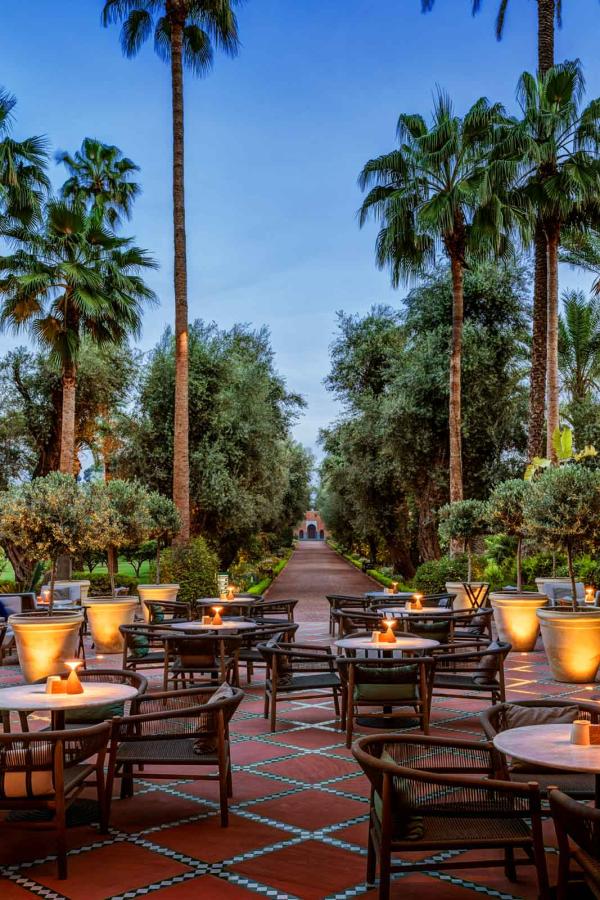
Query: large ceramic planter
<point x="105" y="615"/>
<point x="45" y="642"/>
<point x="155" y="593"/>
<point x="572" y="643"/>
<point x="516" y="619"/>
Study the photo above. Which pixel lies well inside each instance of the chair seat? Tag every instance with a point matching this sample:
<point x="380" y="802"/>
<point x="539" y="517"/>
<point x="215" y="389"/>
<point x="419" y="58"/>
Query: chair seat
<point x="159" y="752"/>
<point x="464" y="682"/>
<point x="472" y="830"/>
<point x="307" y="682"/>
<point x="573" y="783"/>
<point x="386" y="693"/>
<point x="154" y="657"/>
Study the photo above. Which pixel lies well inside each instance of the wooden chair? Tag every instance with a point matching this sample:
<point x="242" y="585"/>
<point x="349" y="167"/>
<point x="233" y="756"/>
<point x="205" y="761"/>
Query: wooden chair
<point x="305" y="670"/>
<point x="172" y="729"/>
<point x="471" y="624"/>
<point x="346" y="601"/>
<point x="274" y="611"/>
<point x="47" y="771"/>
<point x="399" y="688"/>
<point x="434" y="628"/>
<point x="263" y="633"/>
<point x="200" y="658"/>
<point x="577" y="829"/>
<point x="350" y="621"/>
<point x="440" y="796"/>
<point x="503" y="716"/>
<point x="144" y="646"/>
<point x="470" y="670"/>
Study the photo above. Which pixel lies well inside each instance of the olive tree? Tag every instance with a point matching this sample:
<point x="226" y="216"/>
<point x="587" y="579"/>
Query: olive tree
<point x="129" y="504"/>
<point x="54" y="516"/>
<point x="505" y="514"/>
<point x="563" y="508"/>
<point x="463" y="520"/>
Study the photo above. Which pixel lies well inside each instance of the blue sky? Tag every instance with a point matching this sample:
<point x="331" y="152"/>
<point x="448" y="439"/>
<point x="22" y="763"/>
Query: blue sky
<point x="275" y="140"/>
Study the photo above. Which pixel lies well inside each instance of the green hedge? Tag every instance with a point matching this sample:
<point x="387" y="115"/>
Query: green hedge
<point x="193" y="566"/>
<point x="262" y="586"/>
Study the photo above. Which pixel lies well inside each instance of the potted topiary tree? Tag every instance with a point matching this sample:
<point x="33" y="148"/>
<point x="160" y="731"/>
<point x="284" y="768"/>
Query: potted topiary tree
<point x="128" y="506"/>
<point x="514" y="611"/>
<point x="462" y="521"/>
<point x="165" y="525"/>
<point x="563" y="508"/>
<point x="46" y="518"/>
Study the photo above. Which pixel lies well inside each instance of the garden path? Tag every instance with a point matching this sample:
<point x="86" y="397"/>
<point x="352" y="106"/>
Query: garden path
<point x="314" y="571"/>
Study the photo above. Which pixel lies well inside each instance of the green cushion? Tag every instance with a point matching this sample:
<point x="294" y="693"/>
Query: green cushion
<point x="405" y="824"/>
<point x="433" y="631"/>
<point x="140" y="645"/>
<point x="91" y="714"/>
<point x="383" y="692"/>
<point x="158" y="615"/>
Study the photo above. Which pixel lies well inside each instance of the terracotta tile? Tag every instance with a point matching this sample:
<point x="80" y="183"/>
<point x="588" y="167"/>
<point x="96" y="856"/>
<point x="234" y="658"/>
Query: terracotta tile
<point x="253" y="752"/>
<point x="98" y="874"/>
<point x="310" y="870"/>
<point x="150" y="809"/>
<point x="204" y="888"/>
<point x="211" y="843"/>
<point x="313" y="768"/>
<point x="310" y="809"/>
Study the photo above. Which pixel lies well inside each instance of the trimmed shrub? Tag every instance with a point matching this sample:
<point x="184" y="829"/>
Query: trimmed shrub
<point x="193" y="566"/>
<point x="431" y="576"/>
<point x="100" y="582"/>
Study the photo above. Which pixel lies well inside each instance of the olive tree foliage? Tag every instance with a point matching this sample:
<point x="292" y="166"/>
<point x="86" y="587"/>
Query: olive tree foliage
<point x="505" y="512"/>
<point x="385" y="471"/>
<point x="165" y="523"/>
<point x="246" y="474"/>
<point x="563" y="509"/>
<point x="129" y="503"/>
<point x="53" y="515"/>
<point x="30" y="415"/>
<point x="463" y="521"/>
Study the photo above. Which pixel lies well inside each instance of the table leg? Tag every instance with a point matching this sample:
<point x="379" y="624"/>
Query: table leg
<point x="597" y="785"/>
<point x="57" y="722"/>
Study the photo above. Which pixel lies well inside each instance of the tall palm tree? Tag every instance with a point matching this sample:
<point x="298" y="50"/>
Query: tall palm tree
<point x="23" y="178"/>
<point x="579" y="345"/>
<point x="67" y="278"/>
<point x="548" y="12"/>
<point x="557" y="144"/>
<point x="184" y="33"/>
<point x="100" y="178"/>
<point x="433" y="194"/>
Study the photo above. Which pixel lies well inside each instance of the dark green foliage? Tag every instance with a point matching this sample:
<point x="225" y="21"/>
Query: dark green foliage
<point x="100" y="582"/>
<point x="431" y="577"/>
<point x="193" y="566"/>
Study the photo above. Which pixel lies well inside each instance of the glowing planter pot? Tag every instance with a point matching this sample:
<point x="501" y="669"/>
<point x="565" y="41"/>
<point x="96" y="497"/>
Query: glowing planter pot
<point x="572" y="643"/>
<point x="45" y="642"/>
<point x="515" y="615"/>
<point x="461" y="601"/>
<point x="104" y="618"/>
<point x="155" y="593"/>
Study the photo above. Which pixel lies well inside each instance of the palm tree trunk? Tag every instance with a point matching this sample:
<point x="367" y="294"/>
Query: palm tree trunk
<point x="67" y="431"/>
<point x="455" y="418"/>
<point x="537" y="392"/>
<point x="181" y="458"/>
<point x="545" y="11"/>
<point x="553" y="232"/>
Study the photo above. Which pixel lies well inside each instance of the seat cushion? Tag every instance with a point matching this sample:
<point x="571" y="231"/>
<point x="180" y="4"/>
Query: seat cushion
<point x="375" y="683"/>
<point x="487" y="666"/>
<point x="519" y="716"/>
<point x="88" y="715"/>
<point x="140" y="646"/>
<point x="41" y="782"/>
<point x="383" y="692"/>
<point x="223" y="692"/>
<point x="406" y="824"/>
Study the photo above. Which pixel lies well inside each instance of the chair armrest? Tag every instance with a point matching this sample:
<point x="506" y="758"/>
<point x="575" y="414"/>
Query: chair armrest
<point x="575" y="820"/>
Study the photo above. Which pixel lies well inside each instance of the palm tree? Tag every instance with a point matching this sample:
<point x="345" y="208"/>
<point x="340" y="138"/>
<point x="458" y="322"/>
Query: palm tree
<point x="557" y="145"/>
<point x="434" y="194"/>
<point x="100" y="177"/>
<point x="548" y="11"/>
<point x="67" y="278"/>
<point x="23" y="178"/>
<point x="184" y="32"/>
<point x="579" y="345"/>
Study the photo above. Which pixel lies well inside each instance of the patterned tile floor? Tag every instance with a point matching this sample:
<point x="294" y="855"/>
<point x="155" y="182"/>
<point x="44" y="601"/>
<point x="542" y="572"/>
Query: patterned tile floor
<point x="298" y="824"/>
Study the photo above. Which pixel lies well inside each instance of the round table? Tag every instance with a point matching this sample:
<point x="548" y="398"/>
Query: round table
<point x="228" y="625"/>
<point x="550" y="745"/>
<point x="403" y="642"/>
<point x="383" y="595"/>
<point x="33" y="698"/>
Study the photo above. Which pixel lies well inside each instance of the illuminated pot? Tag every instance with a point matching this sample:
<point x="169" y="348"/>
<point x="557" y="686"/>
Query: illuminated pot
<point x="572" y="643"/>
<point x="155" y="593"/>
<point x="515" y="615"/>
<point x="44" y="642"/>
<point x="105" y="615"/>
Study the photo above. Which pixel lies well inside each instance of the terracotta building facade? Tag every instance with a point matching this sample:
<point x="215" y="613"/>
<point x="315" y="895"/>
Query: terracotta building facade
<point x="311" y="528"/>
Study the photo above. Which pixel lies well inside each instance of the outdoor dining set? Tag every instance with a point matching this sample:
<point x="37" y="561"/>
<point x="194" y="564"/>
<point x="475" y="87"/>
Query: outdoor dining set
<point x="169" y="702"/>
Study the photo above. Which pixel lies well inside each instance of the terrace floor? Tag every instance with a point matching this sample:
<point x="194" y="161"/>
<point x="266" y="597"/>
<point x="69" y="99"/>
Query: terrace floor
<point x="298" y="826"/>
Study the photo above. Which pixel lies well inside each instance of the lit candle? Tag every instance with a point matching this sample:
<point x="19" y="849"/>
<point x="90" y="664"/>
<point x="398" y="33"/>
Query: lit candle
<point x="217" y="620"/>
<point x="74" y="685"/>
<point x="417" y="601"/>
<point x="394" y="587"/>
<point x="388" y="637"/>
<point x="231" y="593"/>
<point x="46" y="596"/>
<point x="589" y="594"/>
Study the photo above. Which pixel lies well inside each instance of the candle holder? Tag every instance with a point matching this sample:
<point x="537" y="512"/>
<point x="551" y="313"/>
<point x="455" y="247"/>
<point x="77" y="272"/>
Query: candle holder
<point x="394" y="587"/>
<point x="417" y="601"/>
<point x="217" y="620"/>
<point x="230" y="593"/>
<point x="590" y="595"/>
<point x="74" y="685"/>
<point x="388" y="636"/>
